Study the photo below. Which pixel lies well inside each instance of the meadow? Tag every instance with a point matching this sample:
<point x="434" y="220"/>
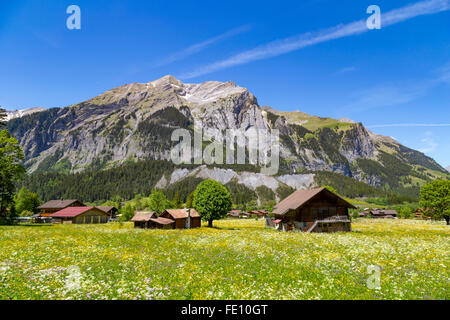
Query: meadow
<point x="239" y="259"/>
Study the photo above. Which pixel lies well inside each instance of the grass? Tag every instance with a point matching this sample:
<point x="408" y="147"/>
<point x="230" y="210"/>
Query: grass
<point x="237" y="260"/>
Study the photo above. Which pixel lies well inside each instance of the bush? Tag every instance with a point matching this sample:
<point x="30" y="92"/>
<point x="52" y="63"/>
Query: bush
<point x="26" y="213"/>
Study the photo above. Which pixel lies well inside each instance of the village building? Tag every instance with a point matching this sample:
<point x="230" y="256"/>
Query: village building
<point x="53" y="206"/>
<point x="183" y="218"/>
<point x="149" y="220"/>
<point x="141" y="219"/>
<point x="316" y="210"/>
<point x="383" y="214"/>
<point x="363" y="214"/>
<point x="235" y="213"/>
<point x="259" y="213"/>
<point x="79" y="215"/>
<point x="110" y="211"/>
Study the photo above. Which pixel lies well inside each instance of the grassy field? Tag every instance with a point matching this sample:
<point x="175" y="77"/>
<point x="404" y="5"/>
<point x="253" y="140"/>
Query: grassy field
<point x="238" y="260"/>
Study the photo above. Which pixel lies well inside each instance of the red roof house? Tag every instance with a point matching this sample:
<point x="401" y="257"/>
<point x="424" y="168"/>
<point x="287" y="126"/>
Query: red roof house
<point x="80" y="215"/>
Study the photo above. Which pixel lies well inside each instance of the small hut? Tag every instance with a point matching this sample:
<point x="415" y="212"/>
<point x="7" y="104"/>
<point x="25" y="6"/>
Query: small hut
<point x="316" y="210"/>
<point x="110" y="211"/>
<point x="184" y="218"/>
<point x="235" y="213"/>
<point x="142" y="219"/>
<point x="383" y="214"/>
<point x="161" y="223"/>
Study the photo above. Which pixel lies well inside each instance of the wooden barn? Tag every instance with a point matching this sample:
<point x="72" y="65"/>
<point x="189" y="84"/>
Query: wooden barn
<point x="110" y="211"/>
<point x="79" y="215"/>
<point x="259" y="213"/>
<point x="53" y="206"/>
<point x="141" y="219"/>
<point x="235" y="213"/>
<point x="183" y="218"/>
<point x="383" y="214"/>
<point x="316" y="210"/>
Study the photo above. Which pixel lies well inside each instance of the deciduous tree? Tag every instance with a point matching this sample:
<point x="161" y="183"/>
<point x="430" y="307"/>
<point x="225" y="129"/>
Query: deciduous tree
<point x="11" y="170"/>
<point x="435" y="197"/>
<point x="212" y="201"/>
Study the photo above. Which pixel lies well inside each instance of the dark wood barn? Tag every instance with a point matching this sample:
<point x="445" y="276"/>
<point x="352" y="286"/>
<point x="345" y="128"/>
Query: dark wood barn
<point x="184" y="218"/>
<point x="141" y="219"/>
<point x="79" y="215"/>
<point x="53" y="206"/>
<point x="316" y="210"/>
<point x="110" y="211"/>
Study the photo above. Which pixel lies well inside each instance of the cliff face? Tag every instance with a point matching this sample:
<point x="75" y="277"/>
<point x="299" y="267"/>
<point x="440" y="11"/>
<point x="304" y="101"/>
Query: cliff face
<point x="135" y="122"/>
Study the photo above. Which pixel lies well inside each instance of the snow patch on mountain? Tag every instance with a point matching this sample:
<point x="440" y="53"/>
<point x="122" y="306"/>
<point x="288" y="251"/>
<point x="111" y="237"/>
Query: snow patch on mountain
<point x="20" y="113"/>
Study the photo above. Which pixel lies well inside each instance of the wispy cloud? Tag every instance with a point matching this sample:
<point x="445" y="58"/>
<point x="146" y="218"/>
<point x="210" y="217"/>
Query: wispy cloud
<point x="431" y="144"/>
<point x="409" y="125"/>
<point x="195" y="48"/>
<point x="385" y="95"/>
<point x="393" y="94"/>
<point x="290" y="44"/>
<point x="345" y="70"/>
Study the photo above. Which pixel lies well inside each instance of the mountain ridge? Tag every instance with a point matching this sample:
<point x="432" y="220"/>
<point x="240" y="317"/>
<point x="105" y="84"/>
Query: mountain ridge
<point x="134" y="122"/>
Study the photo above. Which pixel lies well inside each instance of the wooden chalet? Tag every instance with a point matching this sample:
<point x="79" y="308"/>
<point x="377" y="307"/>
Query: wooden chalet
<point x="53" y="206"/>
<point x="316" y="210"/>
<point x="383" y="214"/>
<point x="141" y="219"/>
<point x="79" y="215"/>
<point x="183" y="218"/>
<point x="110" y="211"/>
<point x="235" y="213"/>
<point x="259" y="213"/>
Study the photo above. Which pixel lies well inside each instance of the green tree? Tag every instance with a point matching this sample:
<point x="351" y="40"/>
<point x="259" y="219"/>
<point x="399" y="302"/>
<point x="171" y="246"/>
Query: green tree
<point x="190" y="200"/>
<point x="405" y="212"/>
<point x="177" y="201"/>
<point x="25" y="200"/>
<point x="212" y="201"/>
<point x="127" y="212"/>
<point x="157" y="201"/>
<point x="2" y="117"/>
<point x="26" y="213"/>
<point x="435" y="197"/>
<point x="11" y="170"/>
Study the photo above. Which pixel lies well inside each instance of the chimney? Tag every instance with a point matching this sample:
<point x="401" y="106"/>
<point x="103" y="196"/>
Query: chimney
<point x="188" y="219"/>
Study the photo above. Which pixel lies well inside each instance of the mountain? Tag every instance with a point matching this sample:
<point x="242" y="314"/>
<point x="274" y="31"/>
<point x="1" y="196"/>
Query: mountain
<point x="134" y="122"/>
<point x="20" y="113"/>
<point x="448" y="168"/>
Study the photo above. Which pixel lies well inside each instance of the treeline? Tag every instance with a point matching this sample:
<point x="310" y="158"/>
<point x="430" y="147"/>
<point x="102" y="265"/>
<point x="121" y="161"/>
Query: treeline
<point x="99" y="185"/>
<point x="351" y="188"/>
<point x="125" y="182"/>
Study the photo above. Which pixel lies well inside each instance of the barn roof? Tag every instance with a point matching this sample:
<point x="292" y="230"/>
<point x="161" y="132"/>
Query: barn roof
<point x="162" y="220"/>
<point x="71" y="212"/>
<point x="143" y="215"/>
<point x="57" y="204"/>
<point x="106" y="209"/>
<point x="300" y="197"/>
<point x="182" y="213"/>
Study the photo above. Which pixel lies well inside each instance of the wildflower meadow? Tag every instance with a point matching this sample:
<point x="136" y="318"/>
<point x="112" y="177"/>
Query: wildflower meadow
<point x="238" y="259"/>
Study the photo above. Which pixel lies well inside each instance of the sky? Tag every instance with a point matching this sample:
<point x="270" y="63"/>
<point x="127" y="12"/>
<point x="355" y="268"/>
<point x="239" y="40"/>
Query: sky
<point x="315" y="56"/>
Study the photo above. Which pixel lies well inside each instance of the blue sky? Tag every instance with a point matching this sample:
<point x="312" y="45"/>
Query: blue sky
<point x="293" y="55"/>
